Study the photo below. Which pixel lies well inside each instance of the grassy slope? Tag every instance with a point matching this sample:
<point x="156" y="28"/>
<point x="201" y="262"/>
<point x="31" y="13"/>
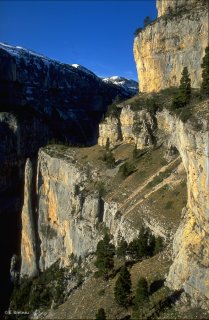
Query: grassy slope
<point x="157" y="190"/>
<point x="96" y="293"/>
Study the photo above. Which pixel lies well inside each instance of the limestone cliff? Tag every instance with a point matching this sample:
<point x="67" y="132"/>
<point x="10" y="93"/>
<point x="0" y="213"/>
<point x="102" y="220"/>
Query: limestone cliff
<point x="40" y="99"/>
<point x="28" y="243"/>
<point x="130" y="127"/>
<point x="191" y="244"/>
<point x="70" y="215"/>
<point x="190" y="269"/>
<point x="166" y="7"/>
<point x="176" y="39"/>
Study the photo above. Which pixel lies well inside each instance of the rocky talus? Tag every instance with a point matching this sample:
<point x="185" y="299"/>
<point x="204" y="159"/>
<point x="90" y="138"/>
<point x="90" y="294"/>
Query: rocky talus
<point x="176" y="39"/>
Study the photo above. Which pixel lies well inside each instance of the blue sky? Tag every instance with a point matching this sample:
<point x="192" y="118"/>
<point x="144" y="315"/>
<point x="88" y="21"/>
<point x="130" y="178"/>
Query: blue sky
<point x="96" y="34"/>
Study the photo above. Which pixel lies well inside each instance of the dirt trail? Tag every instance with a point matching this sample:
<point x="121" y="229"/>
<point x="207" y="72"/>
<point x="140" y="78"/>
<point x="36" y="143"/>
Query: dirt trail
<point x="144" y="185"/>
<point x="171" y="180"/>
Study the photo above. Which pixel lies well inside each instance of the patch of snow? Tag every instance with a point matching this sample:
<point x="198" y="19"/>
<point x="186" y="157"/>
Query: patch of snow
<point x="20" y="52"/>
<point x="81" y="68"/>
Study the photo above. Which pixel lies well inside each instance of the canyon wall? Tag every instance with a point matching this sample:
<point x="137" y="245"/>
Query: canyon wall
<point x="40" y="100"/>
<point x="173" y="41"/>
<point x="177" y="39"/>
<point x="166" y="6"/>
<point x="69" y="217"/>
<point x="130" y="126"/>
<point x="72" y="216"/>
<point x="190" y="268"/>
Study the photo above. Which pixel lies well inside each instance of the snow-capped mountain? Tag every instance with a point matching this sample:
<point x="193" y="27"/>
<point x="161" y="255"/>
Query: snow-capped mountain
<point x="25" y="56"/>
<point x="127" y="84"/>
<point x="70" y="99"/>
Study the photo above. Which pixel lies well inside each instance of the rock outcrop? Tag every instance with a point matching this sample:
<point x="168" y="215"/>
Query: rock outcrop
<point x="29" y="241"/>
<point x="130" y="126"/>
<point x="176" y="39"/>
<point x="66" y="220"/>
<point x="190" y="268"/>
<point x="69" y="218"/>
<point x="167" y="7"/>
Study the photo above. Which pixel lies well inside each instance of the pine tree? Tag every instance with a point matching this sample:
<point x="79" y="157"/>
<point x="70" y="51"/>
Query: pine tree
<point x="185" y="86"/>
<point x="158" y="245"/>
<point x="105" y="252"/>
<point x="142" y="293"/>
<point x="123" y="287"/>
<point x="107" y="146"/>
<point x="138" y="248"/>
<point x="101" y="314"/>
<point x="147" y="21"/>
<point x="122" y="248"/>
<point x="184" y="95"/>
<point x="205" y="73"/>
<point x="152" y="241"/>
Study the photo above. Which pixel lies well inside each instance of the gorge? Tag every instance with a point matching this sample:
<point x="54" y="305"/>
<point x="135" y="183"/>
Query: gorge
<point x="56" y="140"/>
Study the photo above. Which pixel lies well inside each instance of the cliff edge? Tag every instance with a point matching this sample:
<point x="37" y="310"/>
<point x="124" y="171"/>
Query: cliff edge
<point x="176" y="39"/>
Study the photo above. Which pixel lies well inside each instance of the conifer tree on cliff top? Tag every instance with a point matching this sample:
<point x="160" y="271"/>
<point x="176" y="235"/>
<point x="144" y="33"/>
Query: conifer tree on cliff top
<point x="184" y="93"/>
<point x="205" y="73"/>
<point x="185" y="86"/>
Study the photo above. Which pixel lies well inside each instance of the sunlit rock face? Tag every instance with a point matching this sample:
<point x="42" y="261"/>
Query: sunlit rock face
<point x="166" y="7"/>
<point x="130" y="126"/>
<point x="190" y="269"/>
<point x="28" y="242"/>
<point x="170" y="43"/>
<point x="66" y="220"/>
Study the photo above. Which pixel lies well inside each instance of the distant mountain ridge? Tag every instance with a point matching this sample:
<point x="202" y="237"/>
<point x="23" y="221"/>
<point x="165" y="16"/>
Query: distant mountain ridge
<point x="129" y="86"/>
<point x="41" y="100"/>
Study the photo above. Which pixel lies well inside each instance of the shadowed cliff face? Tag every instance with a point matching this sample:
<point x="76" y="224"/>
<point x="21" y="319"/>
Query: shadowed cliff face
<point x="40" y="99"/>
<point x="70" y="100"/>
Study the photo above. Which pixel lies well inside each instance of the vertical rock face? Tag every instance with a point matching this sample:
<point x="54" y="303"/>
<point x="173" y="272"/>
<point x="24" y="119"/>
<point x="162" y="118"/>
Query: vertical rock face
<point x="171" y="43"/>
<point x="190" y="268"/>
<point x="67" y="220"/>
<point x="109" y="131"/>
<point x="29" y="241"/>
<point x="130" y="127"/>
<point x="169" y="6"/>
<point x="69" y="217"/>
<point x="191" y="243"/>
